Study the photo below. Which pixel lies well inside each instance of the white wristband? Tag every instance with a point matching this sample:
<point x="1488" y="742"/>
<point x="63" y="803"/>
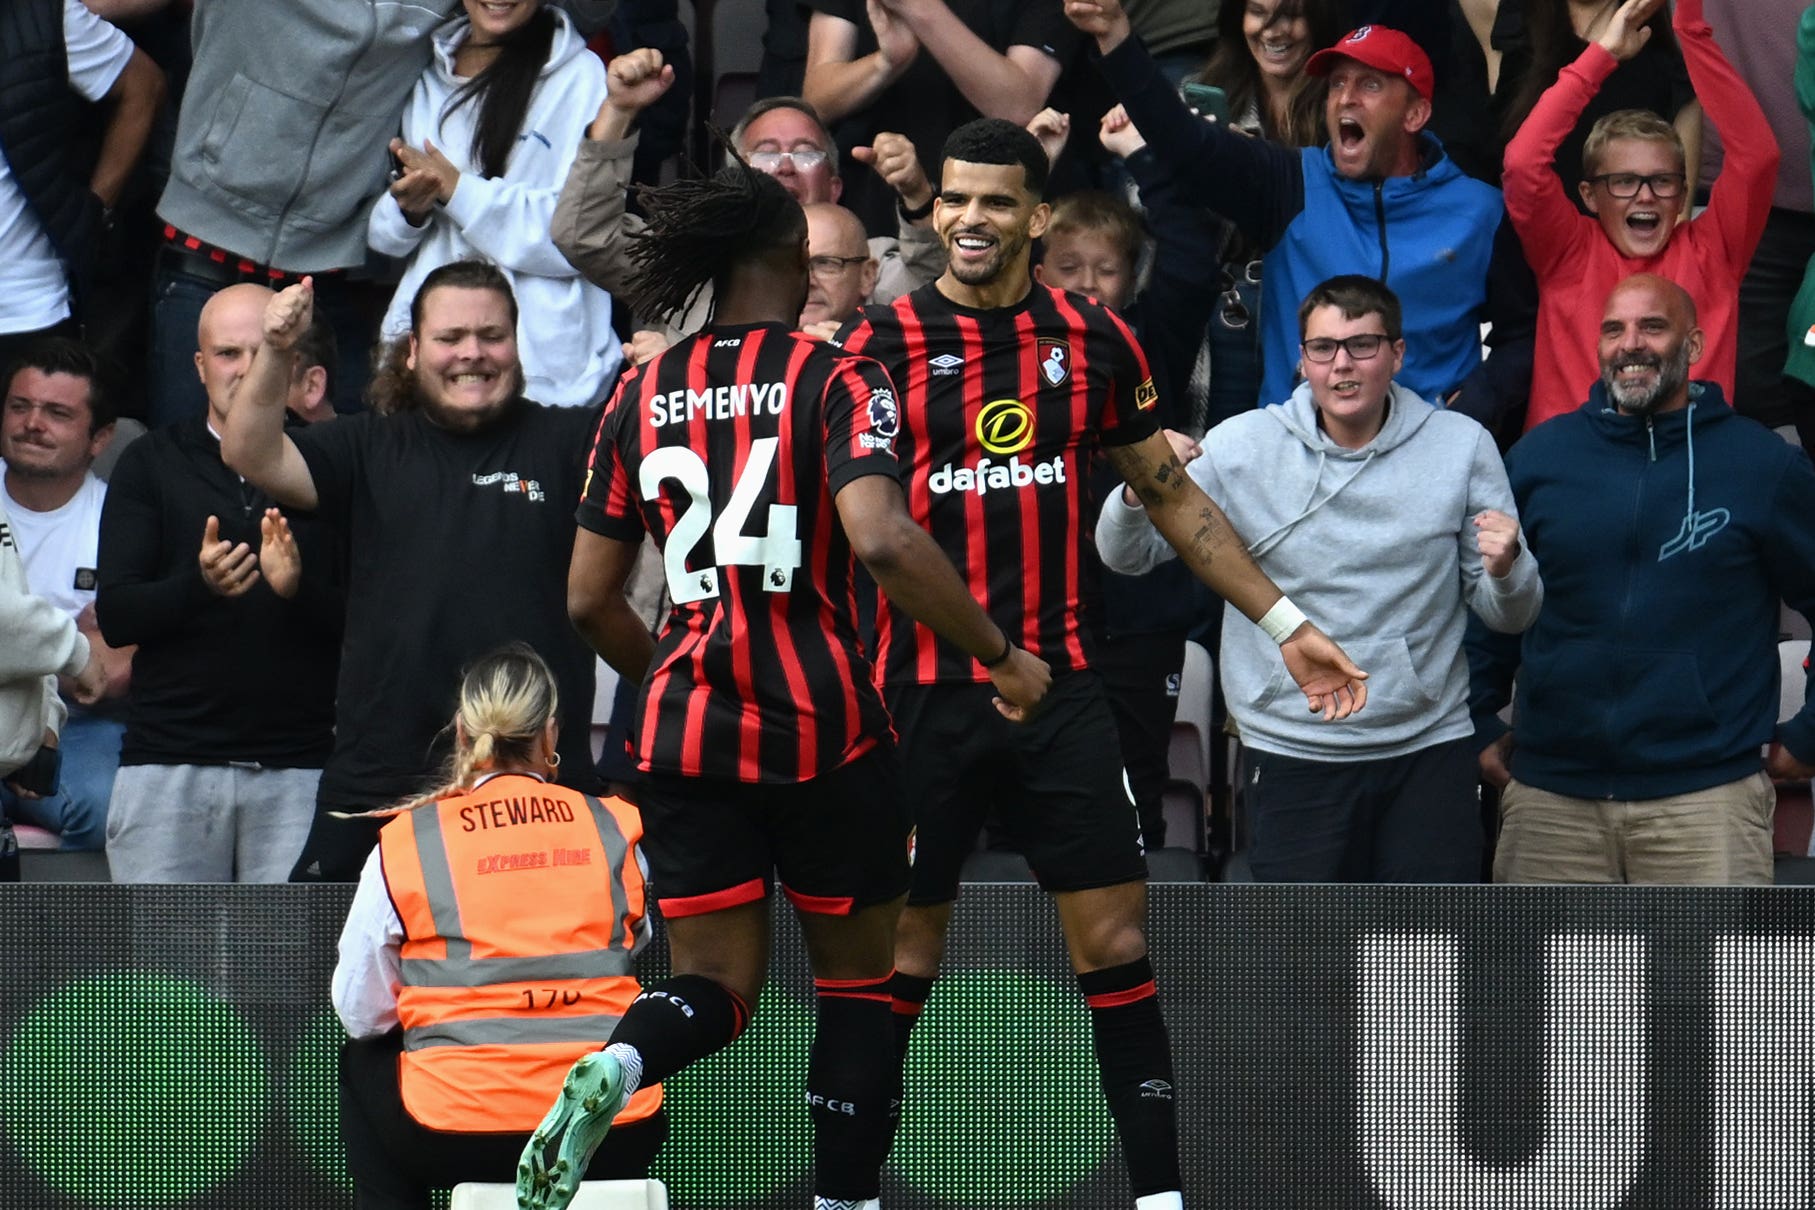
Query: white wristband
<point x="1280" y="621"/>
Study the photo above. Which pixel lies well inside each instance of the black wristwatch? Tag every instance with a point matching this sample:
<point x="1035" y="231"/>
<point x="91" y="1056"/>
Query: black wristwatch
<point x="918" y="212"/>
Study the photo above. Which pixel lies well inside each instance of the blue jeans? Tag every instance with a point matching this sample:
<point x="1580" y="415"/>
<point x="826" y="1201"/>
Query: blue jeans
<point x="90" y="747"/>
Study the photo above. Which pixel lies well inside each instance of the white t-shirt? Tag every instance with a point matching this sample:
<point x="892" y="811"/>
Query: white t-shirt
<point x="34" y="293"/>
<point x="60" y="548"/>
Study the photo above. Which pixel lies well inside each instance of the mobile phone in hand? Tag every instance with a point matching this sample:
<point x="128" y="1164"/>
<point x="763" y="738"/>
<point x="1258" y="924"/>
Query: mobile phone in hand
<point x="1208" y="100"/>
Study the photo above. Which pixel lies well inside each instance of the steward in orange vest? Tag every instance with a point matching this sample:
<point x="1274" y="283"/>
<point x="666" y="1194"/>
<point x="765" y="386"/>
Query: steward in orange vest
<point x="522" y="904"/>
<point x="489" y="945"/>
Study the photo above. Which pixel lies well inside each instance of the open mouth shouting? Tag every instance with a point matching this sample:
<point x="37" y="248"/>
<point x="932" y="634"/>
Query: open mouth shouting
<point x="1349" y="134"/>
<point x="1646" y="229"/>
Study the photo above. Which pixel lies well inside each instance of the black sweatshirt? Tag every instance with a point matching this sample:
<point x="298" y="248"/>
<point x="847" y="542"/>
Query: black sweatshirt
<point x="215" y="679"/>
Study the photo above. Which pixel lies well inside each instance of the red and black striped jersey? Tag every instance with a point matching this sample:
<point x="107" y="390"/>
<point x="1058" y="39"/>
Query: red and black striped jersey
<point x="728" y="449"/>
<point x="1001" y="411"/>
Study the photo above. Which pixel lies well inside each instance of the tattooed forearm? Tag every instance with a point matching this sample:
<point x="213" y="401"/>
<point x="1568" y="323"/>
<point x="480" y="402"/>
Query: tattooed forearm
<point x="1200" y="550"/>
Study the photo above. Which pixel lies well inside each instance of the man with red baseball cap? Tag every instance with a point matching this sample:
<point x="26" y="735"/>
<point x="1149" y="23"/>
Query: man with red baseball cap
<point x="1383" y="49"/>
<point x="1381" y="200"/>
<point x="1379" y="102"/>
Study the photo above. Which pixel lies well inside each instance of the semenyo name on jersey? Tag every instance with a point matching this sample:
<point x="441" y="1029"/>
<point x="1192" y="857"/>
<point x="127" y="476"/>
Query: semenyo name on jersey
<point x="723" y="402"/>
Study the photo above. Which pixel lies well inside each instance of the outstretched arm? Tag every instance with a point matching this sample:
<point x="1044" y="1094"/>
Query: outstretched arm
<point x="1254" y="183"/>
<point x="1202" y="535"/>
<point x="590" y="226"/>
<point x="1739" y="203"/>
<point x="253" y="441"/>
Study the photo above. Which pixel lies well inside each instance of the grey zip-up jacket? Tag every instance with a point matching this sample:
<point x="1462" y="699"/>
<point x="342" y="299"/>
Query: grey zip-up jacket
<point x="282" y="143"/>
<point x="1376" y="545"/>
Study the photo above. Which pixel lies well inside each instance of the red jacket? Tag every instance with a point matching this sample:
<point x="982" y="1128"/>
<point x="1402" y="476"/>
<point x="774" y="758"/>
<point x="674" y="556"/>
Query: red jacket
<point x="1577" y="266"/>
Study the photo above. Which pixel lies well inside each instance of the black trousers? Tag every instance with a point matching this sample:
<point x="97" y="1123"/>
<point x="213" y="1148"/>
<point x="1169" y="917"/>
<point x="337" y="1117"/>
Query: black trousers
<point x="1141" y="675"/>
<point x="395" y="1161"/>
<point x="1411" y="818"/>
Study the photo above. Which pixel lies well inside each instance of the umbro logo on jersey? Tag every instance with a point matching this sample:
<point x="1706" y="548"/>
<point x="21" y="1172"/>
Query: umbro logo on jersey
<point x="946" y="363"/>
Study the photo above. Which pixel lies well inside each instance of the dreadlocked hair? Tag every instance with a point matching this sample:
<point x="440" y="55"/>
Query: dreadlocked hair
<point x="507" y="697"/>
<point x="698" y="228"/>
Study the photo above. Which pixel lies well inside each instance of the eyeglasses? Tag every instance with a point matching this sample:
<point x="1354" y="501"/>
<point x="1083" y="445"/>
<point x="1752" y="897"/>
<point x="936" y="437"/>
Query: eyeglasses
<point x="806" y="159"/>
<point x="1361" y="347"/>
<point x="831" y="266"/>
<point x="1626" y="184"/>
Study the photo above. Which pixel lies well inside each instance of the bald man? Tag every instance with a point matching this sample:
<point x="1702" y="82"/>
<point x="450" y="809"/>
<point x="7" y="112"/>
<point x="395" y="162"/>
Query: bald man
<point x="231" y="710"/>
<point x="842" y="273"/>
<point x="1666" y="527"/>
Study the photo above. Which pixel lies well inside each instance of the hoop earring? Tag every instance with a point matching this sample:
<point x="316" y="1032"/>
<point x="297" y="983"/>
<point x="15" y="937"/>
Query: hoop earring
<point x="554" y="760"/>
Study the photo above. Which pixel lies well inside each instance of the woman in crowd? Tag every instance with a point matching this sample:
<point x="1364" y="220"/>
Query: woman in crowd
<point x="488" y="947"/>
<point x="488" y="136"/>
<point x="1259" y="62"/>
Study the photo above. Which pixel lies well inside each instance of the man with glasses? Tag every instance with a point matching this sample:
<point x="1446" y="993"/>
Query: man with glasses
<point x="841" y="270"/>
<point x="780" y="136"/>
<point x="1380" y="198"/>
<point x="1395" y="518"/>
<point x="1633" y="188"/>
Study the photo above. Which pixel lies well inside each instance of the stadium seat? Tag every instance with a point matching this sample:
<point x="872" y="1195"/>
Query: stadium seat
<point x="592" y="1195"/>
<point x="1188" y="767"/>
<point x="1795" y="817"/>
<point x="1188" y="759"/>
<point x="30" y="837"/>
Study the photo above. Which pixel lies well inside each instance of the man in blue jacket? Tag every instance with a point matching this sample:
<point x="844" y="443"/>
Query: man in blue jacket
<point x="1382" y="199"/>
<point x="1668" y="527"/>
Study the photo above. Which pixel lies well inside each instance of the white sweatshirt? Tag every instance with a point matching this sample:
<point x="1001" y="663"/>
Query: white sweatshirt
<point x="564" y="336"/>
<point x="37" y="641"/>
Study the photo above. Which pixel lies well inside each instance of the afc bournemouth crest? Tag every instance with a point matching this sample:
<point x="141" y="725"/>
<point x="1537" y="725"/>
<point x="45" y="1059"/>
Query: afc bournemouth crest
<point x="1055" y="361"/>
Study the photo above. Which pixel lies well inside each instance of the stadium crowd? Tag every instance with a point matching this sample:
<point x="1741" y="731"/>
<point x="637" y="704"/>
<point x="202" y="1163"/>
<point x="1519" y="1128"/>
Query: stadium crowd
<point x="1499" y="167"/>
<point x="1443" y="337"/>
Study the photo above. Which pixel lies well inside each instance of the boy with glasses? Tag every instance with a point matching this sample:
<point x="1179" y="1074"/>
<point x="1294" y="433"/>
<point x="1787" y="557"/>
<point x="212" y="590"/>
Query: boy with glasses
<point x="1633" y="188"/>
<point x="1395" y="516"/>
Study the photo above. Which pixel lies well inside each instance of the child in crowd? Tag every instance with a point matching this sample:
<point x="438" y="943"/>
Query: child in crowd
<point x="1093" y="245"/>
<point x="1635" y="188"/>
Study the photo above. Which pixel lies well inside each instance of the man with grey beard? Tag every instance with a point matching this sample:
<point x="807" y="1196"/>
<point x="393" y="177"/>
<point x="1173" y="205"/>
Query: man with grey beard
<point x="1668" y="528"/>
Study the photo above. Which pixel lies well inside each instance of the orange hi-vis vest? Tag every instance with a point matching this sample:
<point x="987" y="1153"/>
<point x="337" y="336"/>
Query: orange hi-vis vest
<point x="520" y="904"/>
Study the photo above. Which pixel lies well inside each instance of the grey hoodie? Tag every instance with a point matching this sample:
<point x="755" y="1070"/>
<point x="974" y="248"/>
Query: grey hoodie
<point x="1376" y="545"/>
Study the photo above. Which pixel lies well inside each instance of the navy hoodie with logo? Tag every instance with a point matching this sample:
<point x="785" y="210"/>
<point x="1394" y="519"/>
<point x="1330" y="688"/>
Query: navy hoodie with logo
<point x="1666" y="543"/>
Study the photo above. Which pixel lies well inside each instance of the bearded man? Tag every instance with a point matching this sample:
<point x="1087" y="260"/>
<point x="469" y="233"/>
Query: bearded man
<point x="1667" y="528"/>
